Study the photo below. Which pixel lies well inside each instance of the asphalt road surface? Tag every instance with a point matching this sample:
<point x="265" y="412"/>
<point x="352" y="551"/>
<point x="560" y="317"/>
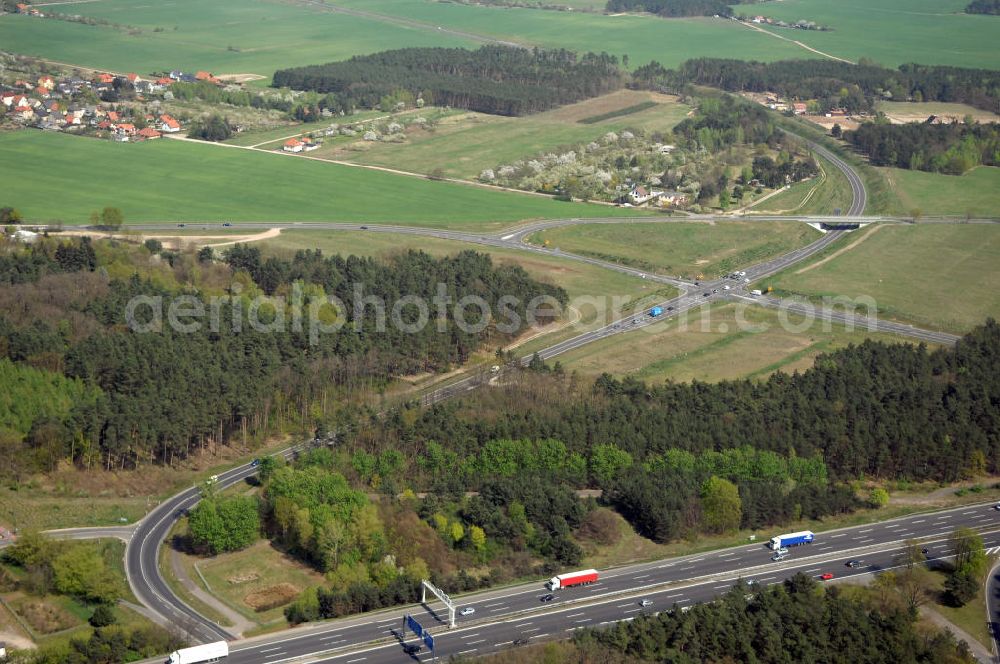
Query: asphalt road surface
<point x="142" y="553"/>
<point x="503" y="615"/>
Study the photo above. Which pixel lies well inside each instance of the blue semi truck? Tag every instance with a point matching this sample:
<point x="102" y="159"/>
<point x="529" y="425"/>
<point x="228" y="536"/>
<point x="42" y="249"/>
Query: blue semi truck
<point x="655" y="311"/>
<point x="791" y="539"/>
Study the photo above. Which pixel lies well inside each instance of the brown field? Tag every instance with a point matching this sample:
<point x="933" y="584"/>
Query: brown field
<point x="271" y="597"/>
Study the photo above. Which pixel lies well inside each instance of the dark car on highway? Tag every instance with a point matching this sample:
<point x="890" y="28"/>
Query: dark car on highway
<point x="853" y="563"/>
<point x="547" y="598"/>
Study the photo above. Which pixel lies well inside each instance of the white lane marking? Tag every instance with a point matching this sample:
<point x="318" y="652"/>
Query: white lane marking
<point x="622" y="606"/>
<point x="275" y="654"/>
<point x="533" y="629"/>
<point x="359" y="659"/>
<point x="724" y="585"/>
<point x="269" y="649"/>
<point x="499" y="608"/>
<point x="486" y="606"/>
<point x="472" y="643"/>
<point x="918" y="521"/>
<point x="575" y="615"/>
<point x="631" y="610"/>
<point x="507" y="237"/>
<point x="469" y="636"/>
<point x="866" y="530"/>
<point x="837" y="535"/>
<point x="582" y="621"/>
<point x="814" y="569"/>
<point x="462" y="652"/>
<point x="641" y="576"/>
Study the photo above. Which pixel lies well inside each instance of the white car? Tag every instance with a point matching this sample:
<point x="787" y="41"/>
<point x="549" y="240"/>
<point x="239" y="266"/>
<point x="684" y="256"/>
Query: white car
<point x="646" y="602"/>
<point x="467" y="611"/>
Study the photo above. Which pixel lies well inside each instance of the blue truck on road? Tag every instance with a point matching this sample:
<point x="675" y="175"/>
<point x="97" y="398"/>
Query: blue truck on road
<point x="655" y="311"/>
<point x="791" y="539"/>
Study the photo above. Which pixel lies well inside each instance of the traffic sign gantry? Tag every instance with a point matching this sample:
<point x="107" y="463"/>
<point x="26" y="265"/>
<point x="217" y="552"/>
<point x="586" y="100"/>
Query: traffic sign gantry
<point x="441" y="595"/>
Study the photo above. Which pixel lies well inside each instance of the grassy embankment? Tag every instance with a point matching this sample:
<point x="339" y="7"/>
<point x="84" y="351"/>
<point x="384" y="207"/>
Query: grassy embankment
<point x="936" y="276"/>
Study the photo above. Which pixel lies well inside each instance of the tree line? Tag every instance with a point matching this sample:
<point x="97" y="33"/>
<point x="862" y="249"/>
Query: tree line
<point x="939" y="148"/>
<point x="853" y="87"/>
<point x="991" y="7"/>
<point x="671" y="8"/>
<point x="493" y="79"/>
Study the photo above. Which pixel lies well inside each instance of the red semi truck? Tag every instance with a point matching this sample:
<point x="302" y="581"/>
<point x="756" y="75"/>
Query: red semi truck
<point x="572" y="579"/>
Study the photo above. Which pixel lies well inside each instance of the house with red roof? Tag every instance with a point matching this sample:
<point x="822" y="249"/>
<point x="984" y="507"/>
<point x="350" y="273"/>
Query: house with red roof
<point x="149" y="133"/>
<point x="293" y="145"/>
<point x="24" y="112"/>
<point x="7" y="98"/>
<point x="113" y="116"/>
<point x="46" y="82"/>
<point x="169" y="125"/>
<point x="126" y="128"/>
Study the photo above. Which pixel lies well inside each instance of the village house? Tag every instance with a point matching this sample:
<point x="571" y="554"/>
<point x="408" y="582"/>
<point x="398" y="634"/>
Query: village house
<point x="169" y="125"/>
<point x="639" y="195"/>
<point x="149" y="133"/>
<point x="672" y="199"/>
<point x="292" y="145"/>
<point x="799" y="108"/>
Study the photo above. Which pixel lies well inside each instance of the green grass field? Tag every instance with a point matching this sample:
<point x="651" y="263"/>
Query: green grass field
<point x="937" y="276"/>
<point x="243" y="578"/>
<point x="169" y="180"/>
<point x="642" y="38"/>
<point x="686" y="249"/>
<point x="240" y="36"/>
<point x="465" y="144"/>
<point x="976" y="193"/>
<point x="720" y="342"/>
<point x="893" y="32"/>
<point x="222" y="36"/>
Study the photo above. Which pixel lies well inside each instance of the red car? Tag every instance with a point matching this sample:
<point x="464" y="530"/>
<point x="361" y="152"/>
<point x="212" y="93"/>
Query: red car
<point x="826" y="576"/>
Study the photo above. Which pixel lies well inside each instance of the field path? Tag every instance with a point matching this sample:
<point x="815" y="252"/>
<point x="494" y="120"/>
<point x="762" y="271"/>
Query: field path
<point x="794" y="41"/>
<point x="240" y="624"/>
<point x="371" y="167"/>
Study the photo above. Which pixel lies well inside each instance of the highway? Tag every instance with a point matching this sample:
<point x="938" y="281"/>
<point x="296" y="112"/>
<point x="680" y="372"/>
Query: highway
<point x="517" y="612"/>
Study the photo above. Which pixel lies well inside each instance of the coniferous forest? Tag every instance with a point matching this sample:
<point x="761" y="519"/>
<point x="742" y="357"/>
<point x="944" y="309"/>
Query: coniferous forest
<point x="501" y="80"/>
<point x="127" y="398"/>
